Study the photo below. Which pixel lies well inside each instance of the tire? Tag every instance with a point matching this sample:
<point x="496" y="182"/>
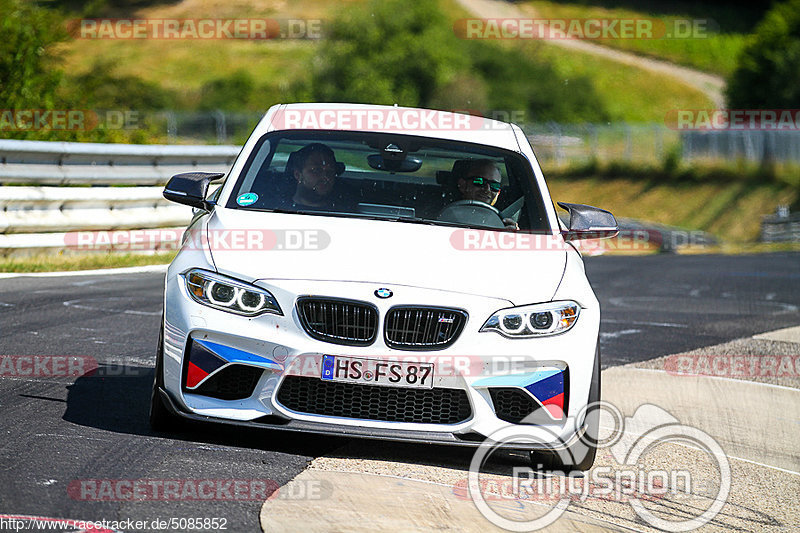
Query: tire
<point x="580" y="455"/>
<point x="161" y="419"/>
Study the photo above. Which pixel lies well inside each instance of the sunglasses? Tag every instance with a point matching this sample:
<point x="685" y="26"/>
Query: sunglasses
<point x="494" y="186"/>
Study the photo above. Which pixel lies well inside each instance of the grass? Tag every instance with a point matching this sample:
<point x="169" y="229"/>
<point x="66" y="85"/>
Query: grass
<point x="714" y="50"/>
<point x="628" y="93"/>
<point x="614" y="247"/>
<point x="58" y="262"/>
<point x="700" y="171"/>
<point x="730" y="211"/>
<point x="745" y="248"/>
<point x="183" y="67"/>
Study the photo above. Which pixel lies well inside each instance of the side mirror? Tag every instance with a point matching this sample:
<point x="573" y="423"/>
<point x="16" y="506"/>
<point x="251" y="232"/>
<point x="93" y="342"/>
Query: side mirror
<point x="587" y="222"/>
<point x="191" y="188"/>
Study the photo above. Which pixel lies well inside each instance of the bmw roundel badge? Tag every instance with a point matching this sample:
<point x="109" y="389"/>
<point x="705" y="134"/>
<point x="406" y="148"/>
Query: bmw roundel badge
<point x="383" y="293"/>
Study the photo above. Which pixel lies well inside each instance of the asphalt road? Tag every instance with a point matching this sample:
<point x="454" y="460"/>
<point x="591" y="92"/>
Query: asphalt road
<point x="57" y="431"/>
<point x="660" y="304"/>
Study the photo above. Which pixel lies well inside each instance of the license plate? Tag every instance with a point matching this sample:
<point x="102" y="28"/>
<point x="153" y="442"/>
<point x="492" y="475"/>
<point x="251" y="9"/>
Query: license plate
<point x="377" y="372"/>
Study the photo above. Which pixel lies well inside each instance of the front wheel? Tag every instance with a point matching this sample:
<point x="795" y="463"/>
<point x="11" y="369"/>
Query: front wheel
<point x="161" y="419"/>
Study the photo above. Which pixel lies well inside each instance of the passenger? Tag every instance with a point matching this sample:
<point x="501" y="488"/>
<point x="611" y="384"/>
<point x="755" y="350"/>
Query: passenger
<point x="315" y="169"/>
<point x="482" y="182"/>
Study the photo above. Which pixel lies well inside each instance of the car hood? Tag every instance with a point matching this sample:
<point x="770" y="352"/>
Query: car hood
<point x="254" y="245"/>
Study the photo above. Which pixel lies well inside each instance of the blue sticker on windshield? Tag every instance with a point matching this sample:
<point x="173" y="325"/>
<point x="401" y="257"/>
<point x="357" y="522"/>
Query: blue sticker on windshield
<point x="247" y="198"/>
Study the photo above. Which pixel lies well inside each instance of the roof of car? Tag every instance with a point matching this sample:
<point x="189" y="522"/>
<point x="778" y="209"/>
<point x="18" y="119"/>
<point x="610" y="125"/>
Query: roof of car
<point x="390" y="119"/>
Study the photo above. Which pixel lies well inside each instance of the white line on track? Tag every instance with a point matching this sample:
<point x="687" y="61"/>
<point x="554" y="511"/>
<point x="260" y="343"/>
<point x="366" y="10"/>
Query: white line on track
<point x="70" y="436"/>
<point x="722" y="378"/>
<point x="639" y="323"/>
<point x="73" y="303"/>
<point x="402" y="478"/>
<point x="685" y="445"/>
<point x="98" y="272"/>
<point x="615" y="334"/>
<point x="770" y="385"/>
<point x="764" y="465"/>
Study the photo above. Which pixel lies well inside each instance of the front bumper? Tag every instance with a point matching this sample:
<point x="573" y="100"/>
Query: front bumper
<point x="276" y="341"/>
<point x="470" y="440"/>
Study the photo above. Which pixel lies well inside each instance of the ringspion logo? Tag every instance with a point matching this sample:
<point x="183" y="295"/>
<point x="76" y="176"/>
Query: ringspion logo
<point x="631" y="482"/>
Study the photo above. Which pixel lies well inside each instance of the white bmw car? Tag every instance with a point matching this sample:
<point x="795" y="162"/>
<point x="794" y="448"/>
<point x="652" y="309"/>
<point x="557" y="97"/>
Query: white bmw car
<point x="387" y="273"/>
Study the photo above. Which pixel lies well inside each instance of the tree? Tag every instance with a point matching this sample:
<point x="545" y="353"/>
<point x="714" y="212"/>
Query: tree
<point x="768" y="70"/>
<point x="102" y="88"/>
<point x="28" y="79"/>
<point x="387" y="52"/>
<point x="409" y="54"/>
<point x="231" y="93"/>
<point x="522" y="82"/>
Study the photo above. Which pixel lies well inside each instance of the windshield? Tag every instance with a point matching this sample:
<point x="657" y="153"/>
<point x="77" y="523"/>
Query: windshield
<point x="393" y="177"/>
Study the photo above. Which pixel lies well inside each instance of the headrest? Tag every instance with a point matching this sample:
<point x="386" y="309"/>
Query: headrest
<point x="443" y="177"/>
<point x="460" y="168"/>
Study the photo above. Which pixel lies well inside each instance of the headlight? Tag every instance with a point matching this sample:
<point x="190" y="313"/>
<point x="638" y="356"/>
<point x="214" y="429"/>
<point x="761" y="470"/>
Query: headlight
<point x="534" y="320"/>
<point x="228" y="294"/>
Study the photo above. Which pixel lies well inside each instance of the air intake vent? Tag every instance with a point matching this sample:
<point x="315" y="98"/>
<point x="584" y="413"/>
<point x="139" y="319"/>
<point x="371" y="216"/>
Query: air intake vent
<point x="515" y="405"/>
<point x="234" y="382"/>
<point x="372" y="402"/>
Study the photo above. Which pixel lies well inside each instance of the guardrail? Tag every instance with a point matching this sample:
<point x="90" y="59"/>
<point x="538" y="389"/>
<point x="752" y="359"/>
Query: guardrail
<point x="49" y="209"/>
<point x="36" y="213"/>
<point x="38" y="210"/>
<point x="66" y="163"/>
<point x="781" y="227"/>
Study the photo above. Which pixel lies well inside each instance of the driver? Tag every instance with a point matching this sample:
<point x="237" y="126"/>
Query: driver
<point x="482" y="182"/>
<point x="316" y="172"/>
